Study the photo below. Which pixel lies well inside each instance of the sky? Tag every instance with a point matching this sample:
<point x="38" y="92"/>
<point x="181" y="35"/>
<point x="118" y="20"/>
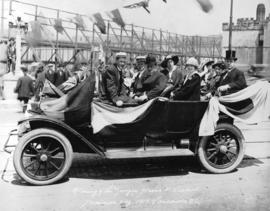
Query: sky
<point x="178" y="16"/>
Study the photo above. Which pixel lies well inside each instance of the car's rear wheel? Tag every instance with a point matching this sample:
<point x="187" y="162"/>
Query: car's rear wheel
<point x="222" y="152"/>
<point x="42" y="156"/>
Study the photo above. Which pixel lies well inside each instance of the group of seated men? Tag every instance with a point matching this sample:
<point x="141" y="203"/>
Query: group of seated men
<point x="168" y="80"/>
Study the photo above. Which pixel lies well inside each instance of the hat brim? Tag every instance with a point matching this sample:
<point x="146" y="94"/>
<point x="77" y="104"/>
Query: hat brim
<point x="164" y="63"/>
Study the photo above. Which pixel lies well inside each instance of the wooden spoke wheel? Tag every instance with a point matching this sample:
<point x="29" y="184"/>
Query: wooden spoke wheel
<point x="222" y="152"/>
<point x="42" y="156"/>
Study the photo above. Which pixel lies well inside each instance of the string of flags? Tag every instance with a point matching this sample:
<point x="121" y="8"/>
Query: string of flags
<point x="98" y="20"/>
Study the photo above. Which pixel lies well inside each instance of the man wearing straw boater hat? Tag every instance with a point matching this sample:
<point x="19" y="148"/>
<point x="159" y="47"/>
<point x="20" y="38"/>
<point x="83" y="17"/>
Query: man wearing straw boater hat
<point x="113" y="81"/>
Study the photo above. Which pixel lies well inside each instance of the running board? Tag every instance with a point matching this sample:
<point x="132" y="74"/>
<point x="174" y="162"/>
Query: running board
<point x="141" y="153"/>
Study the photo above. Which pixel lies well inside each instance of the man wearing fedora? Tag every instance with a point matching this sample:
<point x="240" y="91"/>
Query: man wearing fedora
<point x="173" y="74"/>
<point x="233" y="80"/>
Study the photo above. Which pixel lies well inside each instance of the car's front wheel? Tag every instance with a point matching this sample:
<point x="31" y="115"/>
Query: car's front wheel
<point x="42" y="156"/>
<point x="222" y="152"/>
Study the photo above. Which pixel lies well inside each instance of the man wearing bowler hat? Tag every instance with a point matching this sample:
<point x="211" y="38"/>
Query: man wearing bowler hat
<point x="233" y="80"/>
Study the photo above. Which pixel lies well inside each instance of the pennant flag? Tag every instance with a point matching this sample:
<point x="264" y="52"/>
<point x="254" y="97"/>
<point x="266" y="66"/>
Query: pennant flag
<point x="100" y="23"/>
<point x="206" y="5"/>
<point x="58" y="25"/>
<point x="79" y="22"/>
<point x="34" y="35"/>
<point x="143" y="4"/>
<point x="116" y="17"/>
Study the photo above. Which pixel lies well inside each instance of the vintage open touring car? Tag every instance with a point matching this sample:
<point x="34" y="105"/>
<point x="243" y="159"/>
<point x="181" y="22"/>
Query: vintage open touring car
<point x="45" y="146"/>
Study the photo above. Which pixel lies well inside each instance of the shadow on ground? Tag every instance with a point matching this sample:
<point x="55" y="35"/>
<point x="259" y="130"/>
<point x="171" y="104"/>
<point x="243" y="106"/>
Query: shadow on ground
<point x="87" y="166"/>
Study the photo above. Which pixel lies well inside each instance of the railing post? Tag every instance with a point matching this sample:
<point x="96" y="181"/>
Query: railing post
<point x="160" y="43"/>
<point x="56" y="44"/>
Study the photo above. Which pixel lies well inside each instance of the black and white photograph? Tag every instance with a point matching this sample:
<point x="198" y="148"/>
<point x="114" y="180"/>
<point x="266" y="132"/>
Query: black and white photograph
<point x="135" y="105"/>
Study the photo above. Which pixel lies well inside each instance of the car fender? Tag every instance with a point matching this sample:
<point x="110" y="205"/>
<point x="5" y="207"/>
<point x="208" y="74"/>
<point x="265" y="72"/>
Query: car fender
<point x="75" y="138"/>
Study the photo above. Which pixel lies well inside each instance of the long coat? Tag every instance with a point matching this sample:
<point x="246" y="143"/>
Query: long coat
<point x="235" y="79"/>
<point x="113" y="85"/>
<point x="24" y="87"/>
<point x="190" y="89"/>
<point x="153" y="83"/>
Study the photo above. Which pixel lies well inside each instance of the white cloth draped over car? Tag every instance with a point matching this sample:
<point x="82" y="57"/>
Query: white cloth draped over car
<point x="259" y="93"/>
<point x="104" y="115"/>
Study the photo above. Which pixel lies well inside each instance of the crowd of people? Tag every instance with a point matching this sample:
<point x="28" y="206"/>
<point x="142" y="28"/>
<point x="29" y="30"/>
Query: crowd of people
<point x="190" y="82"/>
<point x="121" y="84"/>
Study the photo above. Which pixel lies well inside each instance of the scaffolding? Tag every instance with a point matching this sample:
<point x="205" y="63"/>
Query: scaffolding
<point x="87" y="42"/>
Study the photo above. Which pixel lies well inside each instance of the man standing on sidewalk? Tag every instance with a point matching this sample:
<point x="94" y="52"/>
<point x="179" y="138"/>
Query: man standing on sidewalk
<point x="24" y="88"/>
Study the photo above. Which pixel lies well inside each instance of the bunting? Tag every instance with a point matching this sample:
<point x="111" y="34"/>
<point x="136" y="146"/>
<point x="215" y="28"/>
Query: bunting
<point x="79" y="22"/>
<point x="58" y="25"/>
<point x="116" y="17"/>
<point x="100" y="23"/>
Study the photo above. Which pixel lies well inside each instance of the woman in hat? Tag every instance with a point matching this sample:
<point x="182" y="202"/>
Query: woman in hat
<point x="190" y="89"/>
<point x="173" y="74"/>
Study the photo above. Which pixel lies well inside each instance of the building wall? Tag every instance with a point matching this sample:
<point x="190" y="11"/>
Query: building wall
<point x="245" y="44"/>
<point x="266" y="45"/>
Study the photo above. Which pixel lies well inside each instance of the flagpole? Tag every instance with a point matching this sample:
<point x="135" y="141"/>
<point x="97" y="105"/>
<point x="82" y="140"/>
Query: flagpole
<point x="230" y="29"/>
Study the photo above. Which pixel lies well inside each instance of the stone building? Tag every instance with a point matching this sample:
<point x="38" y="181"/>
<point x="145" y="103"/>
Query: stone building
<point x="250" y="38"/>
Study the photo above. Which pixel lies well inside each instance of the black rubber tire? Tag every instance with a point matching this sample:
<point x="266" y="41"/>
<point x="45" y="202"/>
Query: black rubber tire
<point x="42" y="132"/>
<point x="202" y="154"/>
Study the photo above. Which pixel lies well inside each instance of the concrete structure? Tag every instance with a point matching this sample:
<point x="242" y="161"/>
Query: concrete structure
<point x="250" y="38"/>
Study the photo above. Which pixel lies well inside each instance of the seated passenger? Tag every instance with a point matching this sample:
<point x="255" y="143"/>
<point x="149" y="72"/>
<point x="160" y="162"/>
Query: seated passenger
<point x="153" y="81"/>
<point x="137" y="86"/>
<point x="190" y="89"/>
<point x="113" y="82"/>
<point x="233" y="80"/>
<point x="173" y="74"/>
<point x="213" y="80"/>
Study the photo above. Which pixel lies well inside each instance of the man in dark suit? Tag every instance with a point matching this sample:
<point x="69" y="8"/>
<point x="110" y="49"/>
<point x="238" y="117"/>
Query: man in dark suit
<point x="190" y="89"/>
<point x="153" y="81"/>
<point x="173" y="74"/>
<point x="233" y="80"/>
<point x="137" y="86"/>
<point x="113" y="82"/>
<point x="24" y="88"/>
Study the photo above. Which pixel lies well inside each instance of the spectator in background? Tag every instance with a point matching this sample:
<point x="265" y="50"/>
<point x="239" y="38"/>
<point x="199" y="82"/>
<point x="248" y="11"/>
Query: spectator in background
<point x="11" y="55"/>
<point x="24" y="88"/>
